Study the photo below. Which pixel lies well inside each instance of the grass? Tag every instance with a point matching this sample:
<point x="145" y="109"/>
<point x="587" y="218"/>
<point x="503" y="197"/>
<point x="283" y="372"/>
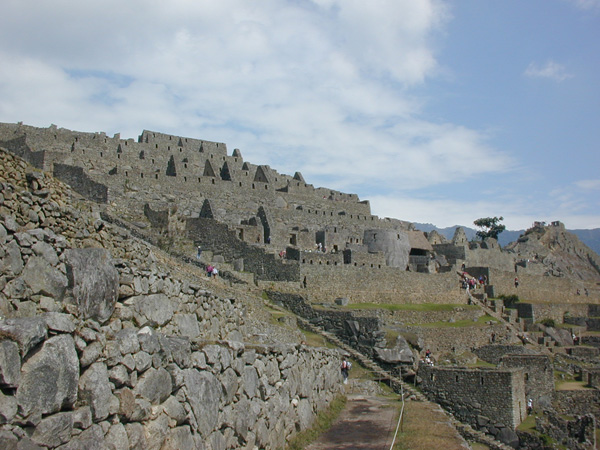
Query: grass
<point x="409" y="307"/>
<point x="418" y="431"/>
<point x="322" y="423"/>
<point x="481" y="321"/>
<point x="482" y="364"/>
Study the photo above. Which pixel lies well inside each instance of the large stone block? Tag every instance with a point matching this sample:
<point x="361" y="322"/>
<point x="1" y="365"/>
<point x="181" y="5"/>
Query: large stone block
<point x="94" y="282"/>
<point x="49" y="378"/>
<point x="203" y="392"/>
<point x="44" y="279"/>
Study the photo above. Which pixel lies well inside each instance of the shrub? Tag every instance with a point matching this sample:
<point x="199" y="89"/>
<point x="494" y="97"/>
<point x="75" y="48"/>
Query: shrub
<point x="509" y="300"/>
<point x="548" y="323"/>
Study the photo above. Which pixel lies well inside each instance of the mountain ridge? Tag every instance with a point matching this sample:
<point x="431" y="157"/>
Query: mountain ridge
<point x="590" y="237"/>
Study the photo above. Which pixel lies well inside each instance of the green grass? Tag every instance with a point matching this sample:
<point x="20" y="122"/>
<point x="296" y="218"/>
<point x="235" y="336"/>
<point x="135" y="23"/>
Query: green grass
<point x="323" y="422"/>
<point x="481" y="321"/>
<point x="409" y="307"/>
<point x="482" y="364"/>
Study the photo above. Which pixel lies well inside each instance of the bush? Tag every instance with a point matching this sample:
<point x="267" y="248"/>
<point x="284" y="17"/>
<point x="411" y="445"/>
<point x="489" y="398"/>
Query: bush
<point x="548" y="323"/>
<point x="510" y="300"/>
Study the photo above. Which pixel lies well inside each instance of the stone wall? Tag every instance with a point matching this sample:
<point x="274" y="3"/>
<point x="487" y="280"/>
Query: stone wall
<point x="488" y="400"/>
<point x="494" y="353"/>
<point x="104" y="343"/>
<point x="580" y="402"/>
<point x="534" y="288"/>
<point x="222" y="241"/>
<point x="380" y="285"/>
<point x="539" y="376"/>
<point x="362" y="333"/>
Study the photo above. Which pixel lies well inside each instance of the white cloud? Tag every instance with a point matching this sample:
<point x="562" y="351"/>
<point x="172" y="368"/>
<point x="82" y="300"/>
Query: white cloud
<point x="586" y="4"/>
<point x="588" y="185"/>
<point x="319" y="86"/>
<point x="550" y="69"/>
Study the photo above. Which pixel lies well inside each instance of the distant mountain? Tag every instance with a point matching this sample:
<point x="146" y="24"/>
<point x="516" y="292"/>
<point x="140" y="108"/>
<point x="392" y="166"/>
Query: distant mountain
<point x="591" y="238"/>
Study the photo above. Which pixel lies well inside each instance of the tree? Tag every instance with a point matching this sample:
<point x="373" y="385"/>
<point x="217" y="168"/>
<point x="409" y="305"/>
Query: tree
<point x="491" y="227"/>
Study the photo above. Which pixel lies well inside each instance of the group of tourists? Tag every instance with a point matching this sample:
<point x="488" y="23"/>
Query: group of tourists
<point x="211" y="271"/>
<point x="468" y="282"/>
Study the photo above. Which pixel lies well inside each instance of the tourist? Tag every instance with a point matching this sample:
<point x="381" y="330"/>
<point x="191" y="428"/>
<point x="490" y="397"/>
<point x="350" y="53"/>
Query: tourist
<point x="345" y="368"/>
<point x="215" y="272"/>
<point x="529" y="406"/>
<point x="199" y="252"/>
<point x="209" y="271"/>
<point x="516" y="282"/>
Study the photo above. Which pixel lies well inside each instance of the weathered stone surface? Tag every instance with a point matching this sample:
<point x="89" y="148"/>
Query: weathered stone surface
<point x="60" y="322"/>
<point x="54" y="430"/>
<point x="27" y="332"/>
<point x="203" y="392"/>
<point x="250" y="381"/>
<point x="8" y="408"/>
<point x="94" y="282"/>
<point x="44" y="279"/>
<point x="401" y="353"/>
<point x="155" y="386"/>
<point x="95" y="390"/>
<point x="127" y="341"/>
<point x="152" y="310"/>
<point x="116" y="438"/>
<point x="136" y="436"/>
<point x="90" y="439"/>
<point x="188" y="325"/>
<point x="46" y="251"/>
<point x="10" y="364"/>
<point x="49" y="378"/>
<point x="179" y="438"/>
<point x="12" y="263"/>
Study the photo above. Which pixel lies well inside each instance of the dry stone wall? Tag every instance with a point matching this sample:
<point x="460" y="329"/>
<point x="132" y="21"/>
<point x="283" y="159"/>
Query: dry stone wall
<point x="103" y="346"/>
<point x="492" y="401"/>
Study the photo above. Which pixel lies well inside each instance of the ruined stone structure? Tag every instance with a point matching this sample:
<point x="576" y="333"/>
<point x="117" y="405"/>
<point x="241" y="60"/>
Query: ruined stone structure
<point x="467" y="393"/>
<point x="104" y="343"/>
<point x="279" y="233"/>
<point x="179" y="184"/>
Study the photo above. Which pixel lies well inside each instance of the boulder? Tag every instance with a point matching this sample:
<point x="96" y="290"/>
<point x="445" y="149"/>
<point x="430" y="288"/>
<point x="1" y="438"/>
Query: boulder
<point x="94" y="282"/>
<point x="203" y="393"/>
<point x="95" y="390"/>
<point x="152" y="310"/>
<point x="10" y="364"/>
<point x="26" y="332"/>
<point x="44" y="279"/>
<point x="401" y="353"/>
<point x="49" y="378"/>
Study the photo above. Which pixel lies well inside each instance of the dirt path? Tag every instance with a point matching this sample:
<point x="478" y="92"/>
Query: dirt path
<point x="367" y="423"/>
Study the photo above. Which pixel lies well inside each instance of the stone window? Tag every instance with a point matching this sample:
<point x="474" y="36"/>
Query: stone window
<point x="457" y="378"/>
<point x="126" y="174"/>
<point x="156" y="176"/>
<point x="141" y="175"/>
<point x="481" y="380"/>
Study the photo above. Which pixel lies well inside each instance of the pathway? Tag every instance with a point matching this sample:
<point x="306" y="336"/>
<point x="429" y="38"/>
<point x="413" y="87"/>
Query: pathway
<point x="367" y="423"/>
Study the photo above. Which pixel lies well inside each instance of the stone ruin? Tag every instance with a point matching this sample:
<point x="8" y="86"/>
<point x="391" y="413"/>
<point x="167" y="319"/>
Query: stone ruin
<point x="312" y="242"/>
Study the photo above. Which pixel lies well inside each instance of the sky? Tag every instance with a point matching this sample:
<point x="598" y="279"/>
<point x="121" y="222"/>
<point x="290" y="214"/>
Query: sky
<point x="436" y="111"/>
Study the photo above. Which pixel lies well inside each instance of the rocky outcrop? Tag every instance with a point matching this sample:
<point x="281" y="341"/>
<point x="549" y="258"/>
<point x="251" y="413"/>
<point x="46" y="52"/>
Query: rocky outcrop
<point x="104" y="346"/>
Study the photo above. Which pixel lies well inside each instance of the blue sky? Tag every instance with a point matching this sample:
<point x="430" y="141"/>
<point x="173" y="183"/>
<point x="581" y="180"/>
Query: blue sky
<point x="435" y="111"/>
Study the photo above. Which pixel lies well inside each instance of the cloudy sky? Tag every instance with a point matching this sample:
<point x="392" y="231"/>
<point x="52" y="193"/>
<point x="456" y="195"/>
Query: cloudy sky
<point x="439" y="111"/>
